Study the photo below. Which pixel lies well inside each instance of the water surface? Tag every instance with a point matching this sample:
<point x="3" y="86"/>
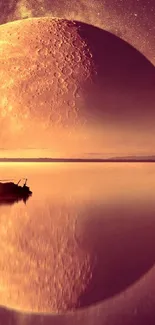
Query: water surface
<point x="86" y="234"/>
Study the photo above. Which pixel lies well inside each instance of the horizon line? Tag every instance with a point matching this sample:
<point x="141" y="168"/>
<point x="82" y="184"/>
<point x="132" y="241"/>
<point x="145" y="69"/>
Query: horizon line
<point x="112" y="159"/>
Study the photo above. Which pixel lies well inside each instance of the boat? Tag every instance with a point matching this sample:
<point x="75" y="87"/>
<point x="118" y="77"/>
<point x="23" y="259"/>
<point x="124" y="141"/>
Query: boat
<point x="11" y="192"/>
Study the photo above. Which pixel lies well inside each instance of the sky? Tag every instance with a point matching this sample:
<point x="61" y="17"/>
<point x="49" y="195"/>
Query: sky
<point x="120" y="117"/>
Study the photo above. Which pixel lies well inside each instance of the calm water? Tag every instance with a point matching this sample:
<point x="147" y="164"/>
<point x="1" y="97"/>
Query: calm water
<point x="86" y="234"/>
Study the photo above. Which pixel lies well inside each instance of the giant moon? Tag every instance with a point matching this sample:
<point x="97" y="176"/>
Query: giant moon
<point x="73" y="89"/>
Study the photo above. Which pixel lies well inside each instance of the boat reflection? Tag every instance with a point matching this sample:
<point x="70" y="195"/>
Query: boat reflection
<point x="12" y="200"/>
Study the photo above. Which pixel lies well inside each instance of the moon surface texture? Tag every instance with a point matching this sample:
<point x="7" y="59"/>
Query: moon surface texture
<point x="133" y="23"/>
<point x="43" y="268"/>
<point x="73" y="89"/>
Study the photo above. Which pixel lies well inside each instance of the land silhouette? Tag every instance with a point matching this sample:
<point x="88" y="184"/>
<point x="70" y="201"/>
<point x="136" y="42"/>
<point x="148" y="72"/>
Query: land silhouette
<point x="83" y="160"/>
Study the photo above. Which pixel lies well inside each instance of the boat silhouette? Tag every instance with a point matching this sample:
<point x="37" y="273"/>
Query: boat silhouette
<point x="11" y="192"/>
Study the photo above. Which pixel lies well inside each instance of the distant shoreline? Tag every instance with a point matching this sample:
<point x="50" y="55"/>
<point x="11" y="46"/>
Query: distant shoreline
<point x="78" y="160"/>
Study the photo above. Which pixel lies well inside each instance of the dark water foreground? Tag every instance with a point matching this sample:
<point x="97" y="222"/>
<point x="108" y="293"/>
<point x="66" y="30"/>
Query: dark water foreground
<point x="135" y="307"/>
<point x="110" y="210"/>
